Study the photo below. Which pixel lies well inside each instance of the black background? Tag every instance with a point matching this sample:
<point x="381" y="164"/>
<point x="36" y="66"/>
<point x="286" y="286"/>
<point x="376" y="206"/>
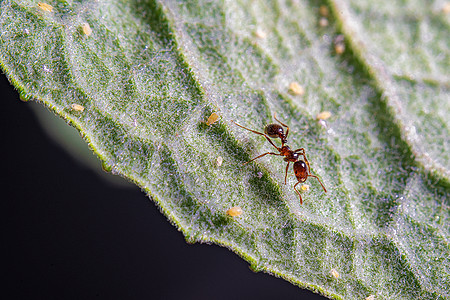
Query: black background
<point x="67" y="234"/>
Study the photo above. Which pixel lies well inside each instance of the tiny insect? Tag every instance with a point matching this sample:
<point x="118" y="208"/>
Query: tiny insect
<point x="86" y="29"/>
<point x="323" y="22"/>
<point x="77" y="107"/>
<point x="212" y="119"/>
<point x="339" y="44"/>
<point x="45" y="6"/>
<point x="235" y="211"/>
<point x="335" y="273"/>
<point x="302" y="169"/>
<point x="446" y="8"/>
<point x="296" y="89"/>
<point x="219" y="161"/>
<point x="323" y="10"/>
<point x="323" y="115"/>
<point x="260" y="34"/>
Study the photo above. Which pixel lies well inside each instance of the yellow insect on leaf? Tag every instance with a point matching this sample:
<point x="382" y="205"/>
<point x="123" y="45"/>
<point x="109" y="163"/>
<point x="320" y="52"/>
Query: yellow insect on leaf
<point x="323" y="115"/>
<point x="235" y="211"/>
<point x="261" y="34"/>
<point x="296" y="89"/>
<point x="334" y="273"/>
<point x="212" y="119"/>
<point x="323" y="10"/>
<point x="77" y="107"/>
<point x="45" y="6"/>
<point x="86" y="29"/>
<point x="219" y="161"/>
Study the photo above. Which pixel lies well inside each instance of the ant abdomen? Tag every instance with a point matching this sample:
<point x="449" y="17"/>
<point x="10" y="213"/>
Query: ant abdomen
<point x="301" y="170"/>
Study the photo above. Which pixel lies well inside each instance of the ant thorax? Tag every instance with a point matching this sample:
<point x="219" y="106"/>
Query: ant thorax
<point x="288" y="154"/>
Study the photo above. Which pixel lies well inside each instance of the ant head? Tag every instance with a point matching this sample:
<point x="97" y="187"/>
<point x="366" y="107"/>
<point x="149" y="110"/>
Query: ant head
<point x="275" y="131"/>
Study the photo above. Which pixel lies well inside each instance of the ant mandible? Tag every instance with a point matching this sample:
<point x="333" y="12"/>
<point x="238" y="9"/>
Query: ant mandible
<point x="302" y="169"/>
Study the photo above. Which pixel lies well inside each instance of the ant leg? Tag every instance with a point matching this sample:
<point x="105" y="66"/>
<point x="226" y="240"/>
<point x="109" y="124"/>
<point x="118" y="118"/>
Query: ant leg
<point x="285" y="177"/>
<point x="301" y="200"/>
<point x="261" y="156"/>
<point x="301" y="151"/>
<point x="310" y="175"/>
<point x="270" y="141"/>
<point x="287" y="127"/>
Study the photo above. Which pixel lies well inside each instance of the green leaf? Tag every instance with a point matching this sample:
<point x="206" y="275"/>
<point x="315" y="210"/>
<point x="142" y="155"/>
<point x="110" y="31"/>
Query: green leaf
<point x="151" y="73"/>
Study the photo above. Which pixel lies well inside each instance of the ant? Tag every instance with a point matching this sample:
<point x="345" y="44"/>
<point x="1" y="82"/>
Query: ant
<point x="302" y="169"/>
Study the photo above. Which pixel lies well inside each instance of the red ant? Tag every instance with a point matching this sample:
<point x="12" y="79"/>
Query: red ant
<point x="302" y="169"/>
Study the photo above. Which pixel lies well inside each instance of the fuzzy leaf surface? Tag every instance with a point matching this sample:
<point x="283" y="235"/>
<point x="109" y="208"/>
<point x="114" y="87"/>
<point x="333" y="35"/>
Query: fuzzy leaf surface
<point x="152" y="72"/>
